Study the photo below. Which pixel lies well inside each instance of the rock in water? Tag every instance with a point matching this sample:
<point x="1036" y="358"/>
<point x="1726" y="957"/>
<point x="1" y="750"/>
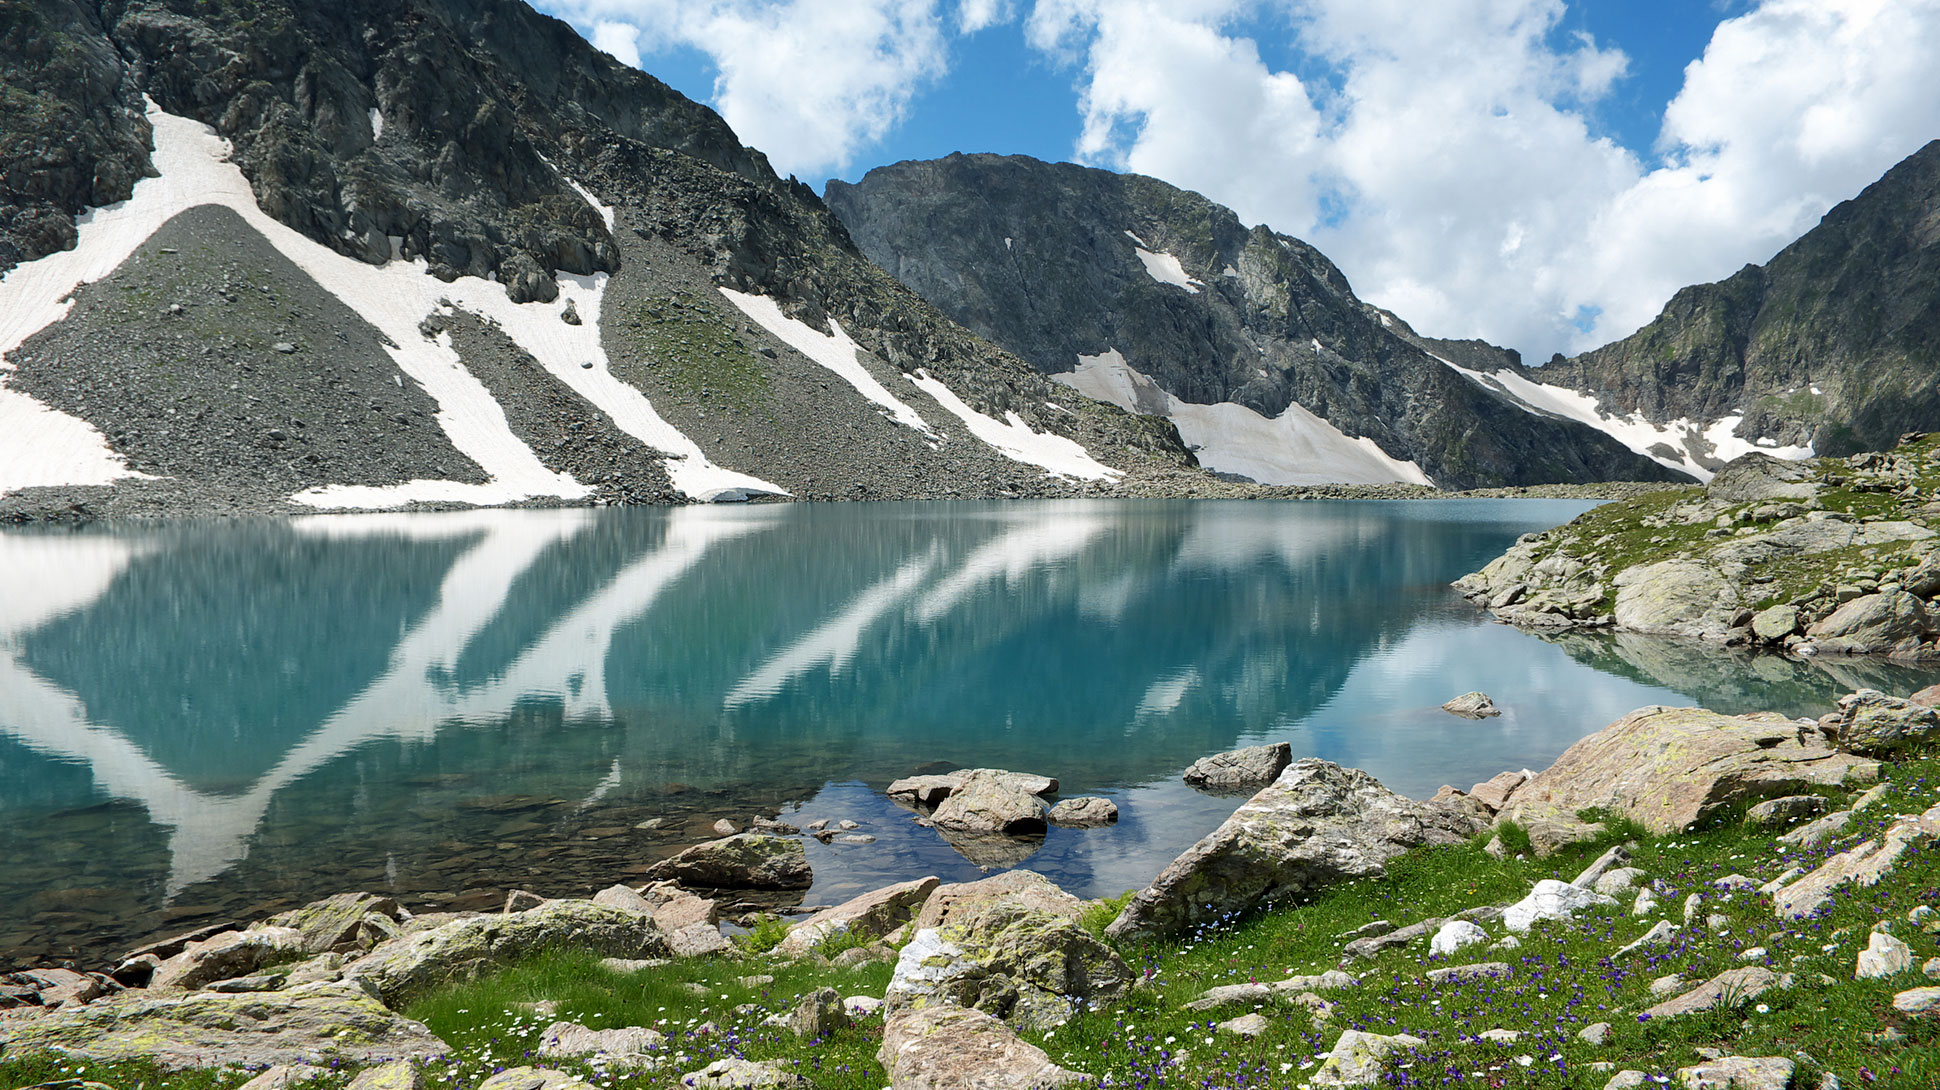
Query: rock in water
<point x="1669" y="768"/>
<point x="1318" y="824"/>
<point x="1242" y="769"/>
<point x="1475" y="705"/>
<point x="942" y="1047"/>
<point x="743" y="861"/>
<point x="1884" y="623"/>
<point x="989" y="803"/>
<point x="1087" y="812"/>
<point x="208" y="1029"/>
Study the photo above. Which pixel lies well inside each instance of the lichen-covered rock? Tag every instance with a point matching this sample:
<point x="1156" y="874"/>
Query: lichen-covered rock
<point x="942" y="1048"/>
<point x="1873" y="724"/>
<point x="991" y="803"/>
<point x="1242" y="769"/>
<point x="631" y="1044"/>
<point x="1784" y="812"/>
<point x="462" y="948"/>
<point x="1774" y="623"/>
<point x="1739" y="1073"/>
<point x="534" y="1078"/>
<point x="1676" y="597"/>
<point x="344" y="923"/>
<point x="932" y="789"/>
<point x="1358" y="1059"/>
<point x="209" y="1029"/>
<point x="227" y="955"/>
<point x="1021" y="888"/>
<point x="395" y="1075"/>
<point x="869" y="915"/>
<point x="1863" y="865"/>
<point x="1085" y="812"/>
<point x="1670" y="768"/>
<point x="1883" y="623"/>
<point x="818" y="1014"/>
<point x="623" y="897"/>
<point x="1010" y="951"/>
<point x="734" y="1073"/>
<point x="742" y="861"/>
<point x="1318" y="824"/>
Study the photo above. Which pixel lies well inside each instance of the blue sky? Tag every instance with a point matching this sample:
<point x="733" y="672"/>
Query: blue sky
<point x="1540" y="173"/>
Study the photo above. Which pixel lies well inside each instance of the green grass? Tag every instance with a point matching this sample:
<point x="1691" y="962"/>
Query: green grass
<point x="1563" y="981"/>
<point x="692" y="347"/>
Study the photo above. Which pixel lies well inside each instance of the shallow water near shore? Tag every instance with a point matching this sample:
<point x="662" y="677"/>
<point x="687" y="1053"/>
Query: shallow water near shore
<point x="213" y="721"/>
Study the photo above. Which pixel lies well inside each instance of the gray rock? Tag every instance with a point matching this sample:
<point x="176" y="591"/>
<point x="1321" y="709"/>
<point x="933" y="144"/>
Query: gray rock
<point x="395" y="1075"/>
<point x="742" y="861"/>
<point x="1030" y="968"/>
<point x="1918" y="1002"/>
<point x="1358" y="1059"/>
<point x="1494" y="793"/>
<point x="1482" y="970"/>
<point x="1863" y="865"/>
<point x="1815" y="833"/>
<point x="698" y="940"/>
<point x="1728" y="989"/>
<point x="202" y="1029"/>
<point x="284" y="1076"/>
<point x="1230" y="995"/>
<point x="1883" y="956"/>
<point x="230" y="954"/>
<point x="988" y="803"/>
<point x="1085" y="812"/>
<point x="1618" y="881"/>
<point x="1775" y="622"/>
<point x="1454" y="935"/>
<point x="931" y="790"/>
<point x="623" y="897"/>
<point x="345" y="923"/>
<point x="1660" y="933"/>
<point x="734" y="1073"/>
<point x="1739" y="1073"/>
<point x="533" y="1078"/>
<point x="1594" y="1034"/>
<point x="1783" y="812"/>
<point x="1676" y="598"/>
<point x="1476" y="705"/>
<point x="1610" y="860"/>
<point x="1246" y="1025"/>
<point x="1873" y="624"/>
<point x="1759" y="478"/>
<point x="937" y="1048"/>
<point x="1873" y="724"/>
<point x="1316" y="825"/>
<point x="1241" y="769"/>
<point x="1551" y="900"/>
<point x="464" y="947"/>
<point x="1628" y="1079"/>
<point x="818" y="1014"/>
<point x="630" y="1044"/>
<point x="871" y="915"/>
<point x="1025" y="891"/>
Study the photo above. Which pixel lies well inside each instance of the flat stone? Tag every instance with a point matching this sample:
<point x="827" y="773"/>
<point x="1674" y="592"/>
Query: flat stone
<point x="1628" y="1079"/>
<point x="631" y="1044"/>
<point x="1246" y="1025"/>
<point x="1918" y="1002"/>
<point x="1613" y="859"/>
<point x="944" y="1047"/>
<point x="1317" y="825"/>
<point x="1732" y="988"/>
<point x="1024" y="890"/>
<point x="1231" y="995"/>
<point x="698" y="940"/>
<point x="530" y="1078"/>
<point x="1815" y="833"/>
<point x="395" y="1075"/>
<point x="623" y="897"/>
<point x="283" y="1076"/>
<point x="1485" y="970"/>
<point x="1331" y="980"/>
<point x="933" y="789"/>
<point x="461" y="949"/>
<point x="1358" y="1059"/>
<point x="1739" y="1073"/>
<point x="1864" y="865"/>
<point x="1241" y="769"/>
<point x="1084" y="812"/>
<point x="734" y="1073"/>
<point x="1876" y="725"/>
<point x="1551" y="900"/>
<point x="230" y="954"/>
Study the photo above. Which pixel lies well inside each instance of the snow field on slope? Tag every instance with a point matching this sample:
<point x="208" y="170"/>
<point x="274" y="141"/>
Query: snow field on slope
<point x="1294" y="448"/>
<point x="834" y="351"/>
<point x="1685" y="438"/>
<point x="1014" y="439"/>
<point x="195" y="170"/>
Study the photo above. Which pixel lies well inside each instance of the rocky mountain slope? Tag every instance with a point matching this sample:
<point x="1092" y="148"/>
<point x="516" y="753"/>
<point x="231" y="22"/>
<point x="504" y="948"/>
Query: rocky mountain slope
<point x="1161" y="301"/>
<point x="1825" y="556"/>
<point x="263" y="255"/>
<point x="1831" y="348"/>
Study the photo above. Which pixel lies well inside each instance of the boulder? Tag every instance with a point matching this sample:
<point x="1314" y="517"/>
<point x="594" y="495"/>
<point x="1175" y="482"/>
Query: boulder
<point x="675" y="909"/>
<point x="530" y="1078"/>
<point x="53" y="988"/>
<point x="1241" y="769"/>
<point x="1928" y="697"/>
<point x="395" y="1075"/>
<point x="1727" y="989"/>
<point x="460" y="949"/>
<point x="1358" y="1059"/>
<point x="1676" y="598"/>
<point x="989" y="803"/>
<point x="1775" y="623"/>
<point x="1863" y="865"/>
<point x="1611" y="860"/>
<point x="210" y="1029"/>
<point x="1551" y="900"/>
<point x="1619" y="881"/>
<point x="1009" y="957"/>
<point x="1024" y="889"/>
<point x="819" y="1014"/>
<point x="630" y="1044"/>
<point x="1251" y="993"/>
<point x="734" y="1073"/>
<point x="1246" y="1025"/>
<point x="1472" y="706"/>
<point x="1756" y="477"/>
<point x="944" y="1048"/>
<point x="1670" y="768"/>
<point x="1084" y="812"/>
<point x="1883" y="956"/>
<point x="623" y="897"/>
<point x="346" y="923"/>
<point x="1316" y="825"/>
<point x="230" y="954"/>
<point x="698" y="940"/>
<point x="1873" y="724"/>
<point x="1495" y="791"/>
<point x="1483" y="970"/>
<point x="1739" y="1073"/>
<point x="742" y="861"/>
<point x="870" y="915"/>
<point x="1454" y="935"/>
<point x="1918" y="1002"/>
<point x="1883" y="623"/>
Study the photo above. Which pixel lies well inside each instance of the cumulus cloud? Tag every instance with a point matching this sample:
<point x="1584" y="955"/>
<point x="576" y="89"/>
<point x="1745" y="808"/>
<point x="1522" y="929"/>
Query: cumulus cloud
<point x="1449" y="163"/>
<point x="809" y="82"/>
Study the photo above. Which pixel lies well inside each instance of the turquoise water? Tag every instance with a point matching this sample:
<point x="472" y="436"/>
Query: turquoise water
<point x="212" y="721"/>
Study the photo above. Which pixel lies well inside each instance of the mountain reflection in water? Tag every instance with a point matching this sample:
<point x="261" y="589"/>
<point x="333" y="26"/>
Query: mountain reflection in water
<point x="216" y="720"/>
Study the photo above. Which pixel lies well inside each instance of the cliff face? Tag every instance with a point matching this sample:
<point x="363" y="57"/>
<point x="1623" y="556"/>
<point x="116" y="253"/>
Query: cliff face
<point x="1163" y="301"/>
<point x="1834" y="343"/>
<point x="577" y="284"/>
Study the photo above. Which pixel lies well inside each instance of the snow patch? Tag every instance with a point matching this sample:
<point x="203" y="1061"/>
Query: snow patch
<point x="1014" y="439"/>
<point x="1007" y="243"/>
<point x="1685" y="445"/>
<point x="834" y="351"/>
<point x="1135" y="238"/>
<point x="1165" y="269"/>
<point x="605" y="210"/>
<point x="1294" y="448"/>
<point x="376" y="124"/>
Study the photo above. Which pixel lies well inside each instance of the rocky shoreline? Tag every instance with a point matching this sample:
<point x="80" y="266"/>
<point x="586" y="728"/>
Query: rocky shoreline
<point x="979" y="967"/>
<point x="1829" y="556"/>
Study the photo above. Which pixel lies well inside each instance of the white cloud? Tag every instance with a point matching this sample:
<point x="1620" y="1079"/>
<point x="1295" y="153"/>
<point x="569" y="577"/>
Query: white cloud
<point x="622" y="40"/>
<point x="809" y="82"/>
<point x="1453" y="172"/>
<point x="975" y="15"/>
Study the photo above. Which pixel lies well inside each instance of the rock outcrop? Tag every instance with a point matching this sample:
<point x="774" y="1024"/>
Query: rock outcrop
<point x="1316" y="825"/>
<point x="465" y="947"/>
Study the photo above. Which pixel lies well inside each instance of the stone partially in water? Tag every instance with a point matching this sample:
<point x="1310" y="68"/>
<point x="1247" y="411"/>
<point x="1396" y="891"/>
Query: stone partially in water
<point x="987" y="803"/>
<point x="742" y="861"/>
<point x="1475" y="705"/>
<point x="1242" y="769"/>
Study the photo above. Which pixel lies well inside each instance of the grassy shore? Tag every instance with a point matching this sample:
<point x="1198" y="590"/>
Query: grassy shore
<point x="1564" y="979"/>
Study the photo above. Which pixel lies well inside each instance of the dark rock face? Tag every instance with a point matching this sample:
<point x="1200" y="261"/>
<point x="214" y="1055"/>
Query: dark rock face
<point x="1852" y="309"/>
<point x="1043" y="259"/>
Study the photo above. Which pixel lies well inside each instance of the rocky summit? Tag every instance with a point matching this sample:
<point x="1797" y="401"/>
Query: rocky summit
<point x="273" y="256"/>
<point x="1251" y="342"/>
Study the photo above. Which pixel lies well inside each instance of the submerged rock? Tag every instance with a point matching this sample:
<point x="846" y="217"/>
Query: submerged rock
<point x="1475" y="705"/>
<point x="1316" y="825"/>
